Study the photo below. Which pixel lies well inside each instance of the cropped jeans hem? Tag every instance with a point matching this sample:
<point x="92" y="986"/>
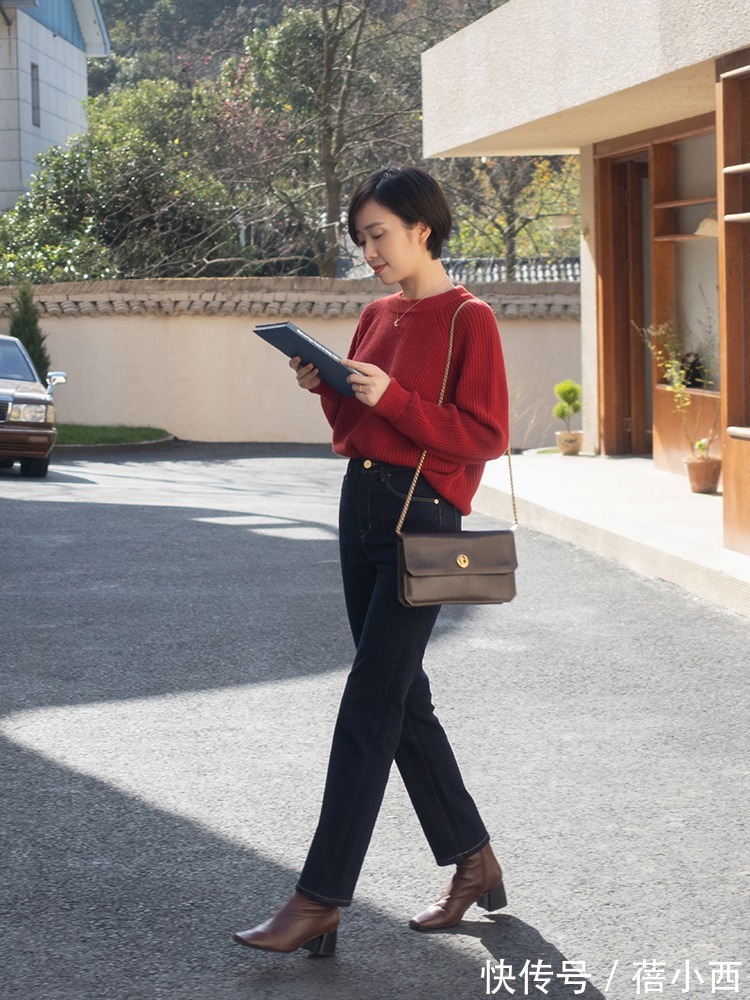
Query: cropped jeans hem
<point x="316" y="898"/>
<point x="455" y="859"/>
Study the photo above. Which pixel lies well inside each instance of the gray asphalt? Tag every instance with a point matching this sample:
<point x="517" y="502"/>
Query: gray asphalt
<point x="173" y="645"/>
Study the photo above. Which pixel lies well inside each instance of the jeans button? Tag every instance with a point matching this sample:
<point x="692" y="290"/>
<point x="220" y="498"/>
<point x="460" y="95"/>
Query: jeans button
<point x="367" y="463"/>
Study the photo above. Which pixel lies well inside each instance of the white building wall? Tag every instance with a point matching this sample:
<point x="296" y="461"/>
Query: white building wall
<point x="10" y="137"/>
<point x="62" y="90"/>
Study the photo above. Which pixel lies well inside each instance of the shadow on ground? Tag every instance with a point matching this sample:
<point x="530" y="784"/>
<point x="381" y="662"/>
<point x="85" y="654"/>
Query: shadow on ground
<point x="134" y="602"/>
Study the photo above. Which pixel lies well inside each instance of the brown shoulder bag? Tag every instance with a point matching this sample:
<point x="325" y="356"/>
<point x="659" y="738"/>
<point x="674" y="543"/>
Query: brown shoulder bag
<point x="456" y="567"/>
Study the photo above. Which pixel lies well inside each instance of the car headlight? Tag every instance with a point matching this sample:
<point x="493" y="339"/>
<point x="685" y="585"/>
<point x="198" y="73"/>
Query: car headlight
<point x="29" y="413"/>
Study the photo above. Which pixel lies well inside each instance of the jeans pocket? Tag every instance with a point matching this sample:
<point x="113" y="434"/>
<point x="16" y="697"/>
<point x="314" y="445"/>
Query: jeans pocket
<point x="398" y="483"/>
<point x="428" y="510"/>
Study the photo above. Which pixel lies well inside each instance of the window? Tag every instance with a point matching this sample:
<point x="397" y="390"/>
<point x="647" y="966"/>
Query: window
<point x="35" y="110"/>
<point x="13" y="363"/>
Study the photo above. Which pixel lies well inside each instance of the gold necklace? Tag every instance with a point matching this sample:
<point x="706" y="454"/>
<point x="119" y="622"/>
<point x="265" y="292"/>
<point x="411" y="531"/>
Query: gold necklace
<point x="398" y="319"/>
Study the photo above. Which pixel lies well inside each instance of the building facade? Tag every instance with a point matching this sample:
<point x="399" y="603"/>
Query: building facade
<point x="655" y="97"/>
<point x="44" y="45"/>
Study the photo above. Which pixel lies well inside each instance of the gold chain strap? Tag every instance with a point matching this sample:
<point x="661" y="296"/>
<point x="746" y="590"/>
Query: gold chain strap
<point x="413" y="486"/>
<point x="512" y="490"/>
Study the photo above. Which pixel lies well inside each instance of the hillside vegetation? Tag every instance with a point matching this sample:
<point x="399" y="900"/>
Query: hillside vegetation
<point x="226" y="138"/>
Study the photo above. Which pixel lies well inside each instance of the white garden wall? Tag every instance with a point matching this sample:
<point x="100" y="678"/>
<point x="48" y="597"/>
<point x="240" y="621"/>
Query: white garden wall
<point x="180" y="354"/>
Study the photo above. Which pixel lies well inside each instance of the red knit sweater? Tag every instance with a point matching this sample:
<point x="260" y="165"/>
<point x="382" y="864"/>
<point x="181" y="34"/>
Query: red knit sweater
<point x="460" y="436"/>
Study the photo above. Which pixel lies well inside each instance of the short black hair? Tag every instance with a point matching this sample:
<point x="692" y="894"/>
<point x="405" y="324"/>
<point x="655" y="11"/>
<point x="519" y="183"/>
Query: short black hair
<point x="410" y="193"/>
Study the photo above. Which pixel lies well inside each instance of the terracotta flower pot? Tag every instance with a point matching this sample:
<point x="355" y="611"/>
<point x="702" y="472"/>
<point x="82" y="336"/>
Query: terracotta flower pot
<point x="569" y="442"/>
<point x="703" y="474"/>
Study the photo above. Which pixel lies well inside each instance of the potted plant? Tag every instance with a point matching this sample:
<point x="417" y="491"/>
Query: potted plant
<point x="682" y="371"/>
<point x="568" y="395"/>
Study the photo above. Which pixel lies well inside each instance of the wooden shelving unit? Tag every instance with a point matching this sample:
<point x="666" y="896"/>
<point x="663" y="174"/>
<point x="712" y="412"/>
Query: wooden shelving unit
<point x="671" y="222"/>
<point x="733" y="150"/>
<point x="677" y="237"/>
<point x="675" y="216"/>
<point x="685" y="202"/>
<point x="674" y="206"/>
<point x="729" y="173"/>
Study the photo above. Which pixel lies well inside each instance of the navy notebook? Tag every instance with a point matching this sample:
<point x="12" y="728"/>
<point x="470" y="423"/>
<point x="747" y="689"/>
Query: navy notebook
<point x="295" y="343"/>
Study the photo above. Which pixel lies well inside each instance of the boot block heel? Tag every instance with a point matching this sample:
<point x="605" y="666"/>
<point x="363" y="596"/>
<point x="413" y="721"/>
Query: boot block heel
<point x="323" y="946"/>
<point x="493" y="899"/>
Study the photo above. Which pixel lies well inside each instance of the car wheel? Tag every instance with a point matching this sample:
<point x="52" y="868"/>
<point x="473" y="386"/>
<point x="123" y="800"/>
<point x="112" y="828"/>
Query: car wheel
<point x="6" y="463"/>
<point x="35" y="468"/>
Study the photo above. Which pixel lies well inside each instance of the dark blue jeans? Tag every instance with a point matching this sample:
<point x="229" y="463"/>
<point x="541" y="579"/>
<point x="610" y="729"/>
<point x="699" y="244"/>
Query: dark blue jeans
<point x="386" y="710"/>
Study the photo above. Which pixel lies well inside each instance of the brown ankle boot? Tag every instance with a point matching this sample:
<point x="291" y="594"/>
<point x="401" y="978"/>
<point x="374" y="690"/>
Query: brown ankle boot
<point x="300" y="923"/>
<point x="478" y="879"/>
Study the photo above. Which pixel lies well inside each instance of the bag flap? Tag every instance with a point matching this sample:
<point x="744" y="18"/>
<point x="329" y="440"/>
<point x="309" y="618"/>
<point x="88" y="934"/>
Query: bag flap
<point x="457" y="552"/>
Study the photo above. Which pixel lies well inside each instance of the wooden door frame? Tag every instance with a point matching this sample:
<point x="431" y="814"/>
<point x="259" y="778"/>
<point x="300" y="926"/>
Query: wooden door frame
<point x="621" y="273"/>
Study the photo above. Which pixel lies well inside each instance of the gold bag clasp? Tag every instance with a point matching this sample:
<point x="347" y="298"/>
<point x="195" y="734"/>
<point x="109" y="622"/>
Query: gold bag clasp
<point x="462" y="560"/>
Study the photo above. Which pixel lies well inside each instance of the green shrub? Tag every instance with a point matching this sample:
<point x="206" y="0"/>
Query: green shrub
<point x="568" y="393"/>
<point x="24" y="324"/>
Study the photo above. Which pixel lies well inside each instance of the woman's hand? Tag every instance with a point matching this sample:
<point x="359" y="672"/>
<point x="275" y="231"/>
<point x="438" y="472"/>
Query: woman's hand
<point x="307" y="375"/>
<point x="370" y="385"/>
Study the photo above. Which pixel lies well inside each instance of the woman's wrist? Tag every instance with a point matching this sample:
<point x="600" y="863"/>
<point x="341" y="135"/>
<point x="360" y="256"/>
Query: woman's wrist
<point x="393" y="402"/>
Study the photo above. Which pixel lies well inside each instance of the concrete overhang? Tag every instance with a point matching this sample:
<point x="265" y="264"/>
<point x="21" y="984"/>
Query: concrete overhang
<point x="680" y="95"/>
<point x="548" y="76"/>
<point x="93" y="29"/>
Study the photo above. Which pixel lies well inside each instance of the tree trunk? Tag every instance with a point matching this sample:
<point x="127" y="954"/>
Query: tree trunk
<point x="510" y="238"/>
<point x="329" y="256"/>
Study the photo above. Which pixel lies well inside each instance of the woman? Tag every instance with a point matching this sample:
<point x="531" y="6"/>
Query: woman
<point x="400" y="218"/>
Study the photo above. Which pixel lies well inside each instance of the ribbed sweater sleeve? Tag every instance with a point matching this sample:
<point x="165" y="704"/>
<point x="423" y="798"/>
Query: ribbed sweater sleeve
<point x="470" y="427"/>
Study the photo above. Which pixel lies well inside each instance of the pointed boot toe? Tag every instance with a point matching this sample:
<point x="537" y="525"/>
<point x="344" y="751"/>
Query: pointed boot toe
<point x="478" y="879"/>
<point x="300" y="923"/>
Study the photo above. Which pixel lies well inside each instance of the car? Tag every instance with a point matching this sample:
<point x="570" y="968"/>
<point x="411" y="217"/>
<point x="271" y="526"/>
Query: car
<point x="27" y="413"/>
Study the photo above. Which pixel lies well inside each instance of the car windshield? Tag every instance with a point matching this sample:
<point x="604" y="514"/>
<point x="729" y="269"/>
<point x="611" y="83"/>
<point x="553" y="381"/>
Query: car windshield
<point x="13" y="363"/>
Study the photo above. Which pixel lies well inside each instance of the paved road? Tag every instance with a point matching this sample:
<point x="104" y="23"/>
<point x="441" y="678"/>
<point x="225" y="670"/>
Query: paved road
<point x="173" y="645"/>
